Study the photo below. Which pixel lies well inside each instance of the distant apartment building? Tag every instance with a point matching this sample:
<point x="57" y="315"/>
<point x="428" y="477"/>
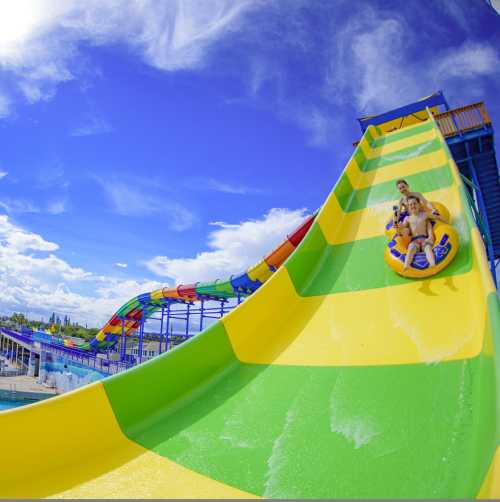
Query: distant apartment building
<point x="149" y="350"/>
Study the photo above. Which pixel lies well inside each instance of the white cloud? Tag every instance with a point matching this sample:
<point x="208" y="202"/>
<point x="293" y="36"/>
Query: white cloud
<point x="51" y="177"/>
<point x="19" y="240"/>
<point x="11" y="206"/>
<point x="128" y="200"/>
<point x="34" y="279"/>
<point x="178" y="36"/>
<point x="456" y="11"/>
<point x="221" y="186"/>
<point x="233" y="248"/>
<point x="369" y="60"/>
<point x="467" y="61"/>
<point x="132" y="199"/>
<point x="121" y="265"/>
<point x="373" y="63"/>
<point x="39" y="39"/>
<point x="18" y="205"/>
<point x="316" y="123"/>
<point x="56" y="207"/>
<point x="92" y="126"/>
<point x="3" y="174"/>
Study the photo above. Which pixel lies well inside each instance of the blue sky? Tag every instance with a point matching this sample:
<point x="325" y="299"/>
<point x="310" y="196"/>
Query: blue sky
<point x="148" y="143"/>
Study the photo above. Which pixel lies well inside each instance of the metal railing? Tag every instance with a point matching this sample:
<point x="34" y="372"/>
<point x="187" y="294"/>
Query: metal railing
<point x="460" y="120"/>
<point x="463" y="119"/>
<point x="18" y="336"/>
<point x="13" y="373"/>
<point x="483" y="229"/>
<point x="88" y="359"/>
<point x="85" y="358"/>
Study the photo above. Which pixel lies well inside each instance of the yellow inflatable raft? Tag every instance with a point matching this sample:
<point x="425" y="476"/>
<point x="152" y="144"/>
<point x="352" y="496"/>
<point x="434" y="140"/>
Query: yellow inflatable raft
<point x="445" y="247"/>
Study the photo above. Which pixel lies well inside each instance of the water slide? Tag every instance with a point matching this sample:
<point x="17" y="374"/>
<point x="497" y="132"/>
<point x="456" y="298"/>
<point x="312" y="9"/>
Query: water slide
<point x="337" y="378"/>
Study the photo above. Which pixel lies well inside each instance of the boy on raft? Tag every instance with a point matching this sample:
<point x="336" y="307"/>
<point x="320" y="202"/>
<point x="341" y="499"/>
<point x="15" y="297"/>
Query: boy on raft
<point x="404" y="190"/>
<point x="418" y="222"/>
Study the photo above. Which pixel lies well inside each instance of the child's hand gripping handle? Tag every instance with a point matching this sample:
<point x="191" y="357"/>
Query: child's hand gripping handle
<point x="395" y="220"/>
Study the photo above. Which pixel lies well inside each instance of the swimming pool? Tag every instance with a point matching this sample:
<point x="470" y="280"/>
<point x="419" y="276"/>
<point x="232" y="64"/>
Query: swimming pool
<point x="7" y="405"/>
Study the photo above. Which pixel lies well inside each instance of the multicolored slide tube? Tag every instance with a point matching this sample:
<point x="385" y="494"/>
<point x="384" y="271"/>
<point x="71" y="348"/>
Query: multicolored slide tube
<point x="243" y="284"/>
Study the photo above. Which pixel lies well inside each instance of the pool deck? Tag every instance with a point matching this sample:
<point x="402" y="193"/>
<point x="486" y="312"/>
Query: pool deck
<point x="25" y="384"/>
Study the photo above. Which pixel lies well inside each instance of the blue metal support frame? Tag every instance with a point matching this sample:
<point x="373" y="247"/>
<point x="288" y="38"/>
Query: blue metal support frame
<point x="123" y="344"/>
<point x="483" y="212"/>
<point x="141" y="334"/>
<point x="202" y="309"/>
<point x="169" y="335"/>
<point x="165" y="314"/>
<point x="468" y="135"/>
<point x="168" y="326"/>
<point x="464" y="138"/>
<point x="187" y="318"/>
<point x="161" y="329"/>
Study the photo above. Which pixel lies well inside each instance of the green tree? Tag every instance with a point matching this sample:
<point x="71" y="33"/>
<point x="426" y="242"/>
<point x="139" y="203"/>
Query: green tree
<point x="19" y="319"/>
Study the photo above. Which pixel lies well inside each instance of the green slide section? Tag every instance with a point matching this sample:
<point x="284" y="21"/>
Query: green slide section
<point x="254" y="429"/>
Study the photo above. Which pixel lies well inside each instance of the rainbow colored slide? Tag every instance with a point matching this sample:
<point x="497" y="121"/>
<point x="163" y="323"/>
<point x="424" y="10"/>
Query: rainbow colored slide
<point x="336" y="379"/>
<point x="242" y="284"/>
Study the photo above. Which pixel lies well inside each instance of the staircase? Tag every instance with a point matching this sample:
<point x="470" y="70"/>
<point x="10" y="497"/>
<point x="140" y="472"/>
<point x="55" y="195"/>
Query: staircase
<point x="487" y="174"/>
<point x="469" y="134"/>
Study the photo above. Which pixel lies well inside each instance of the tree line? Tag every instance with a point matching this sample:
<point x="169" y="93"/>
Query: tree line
<point x="55" y="325"/>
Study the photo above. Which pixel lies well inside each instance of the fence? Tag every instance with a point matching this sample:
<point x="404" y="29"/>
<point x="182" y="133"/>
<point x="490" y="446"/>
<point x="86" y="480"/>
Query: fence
<point x="13" y="373"/>
<point x="87" y="359"/>
<point x="463" y="119"/>
<point x="18" y="336"/>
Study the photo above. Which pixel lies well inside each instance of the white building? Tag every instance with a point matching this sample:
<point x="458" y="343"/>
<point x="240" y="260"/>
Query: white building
<point x="149" y="350"/>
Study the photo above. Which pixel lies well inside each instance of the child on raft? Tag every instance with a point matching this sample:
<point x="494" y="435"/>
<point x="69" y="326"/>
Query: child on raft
<point x="418" y="222"/>
<point x="404" y="190"/>
<point x="401" y="211"/>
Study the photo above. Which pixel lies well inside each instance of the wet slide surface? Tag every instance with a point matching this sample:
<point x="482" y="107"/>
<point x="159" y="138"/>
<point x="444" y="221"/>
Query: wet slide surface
<point x="336" y="379"/>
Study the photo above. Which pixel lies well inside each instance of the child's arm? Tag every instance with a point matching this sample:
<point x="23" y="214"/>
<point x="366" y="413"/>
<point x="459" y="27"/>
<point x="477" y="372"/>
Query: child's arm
<point x="430" y="232"/>
<point x="403" y="207"/>
<point x="402" y="224"/>
<point x="425" y="203"/>
<point x="437" y="217"/>
<point x="429" y="209"/>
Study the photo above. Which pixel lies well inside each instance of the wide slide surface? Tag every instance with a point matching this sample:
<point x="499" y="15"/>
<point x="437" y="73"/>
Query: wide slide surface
<point x="336" y="379"/>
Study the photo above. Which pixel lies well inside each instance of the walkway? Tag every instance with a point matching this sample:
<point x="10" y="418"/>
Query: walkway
<point x="24" y="384"/>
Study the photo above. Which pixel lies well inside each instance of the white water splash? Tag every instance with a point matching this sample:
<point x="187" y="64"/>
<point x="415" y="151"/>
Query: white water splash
<point x="456" y="441"/>
<point x="462" y="229"/>
<point x="354" y="427"/>
<point x="427" y="344"/>
<point x="278" y="457"/>
<point x="233" y="430"/>
<point x="412" y="153"/>
<point x="413" y="332"/>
